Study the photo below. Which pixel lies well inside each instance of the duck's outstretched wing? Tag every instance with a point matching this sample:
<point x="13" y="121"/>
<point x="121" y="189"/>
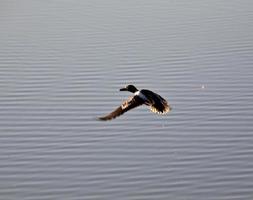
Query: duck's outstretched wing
<point x="129" y="104"/>
<point x="160" y="107"/>
<point x="156" y="103"/>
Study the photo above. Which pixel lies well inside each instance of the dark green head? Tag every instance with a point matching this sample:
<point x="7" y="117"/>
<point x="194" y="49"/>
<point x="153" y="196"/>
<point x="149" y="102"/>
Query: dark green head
<point x="129" y="88"/>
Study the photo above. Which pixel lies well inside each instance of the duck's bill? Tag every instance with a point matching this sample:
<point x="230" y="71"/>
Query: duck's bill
<point x="123" y="89"/>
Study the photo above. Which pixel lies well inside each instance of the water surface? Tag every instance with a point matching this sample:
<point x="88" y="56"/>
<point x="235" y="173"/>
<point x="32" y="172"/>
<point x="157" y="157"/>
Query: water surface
<point x="61" y="65"/>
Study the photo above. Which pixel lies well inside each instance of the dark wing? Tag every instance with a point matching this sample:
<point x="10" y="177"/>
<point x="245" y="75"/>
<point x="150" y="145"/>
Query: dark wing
<point x="160" y="107"/>
<point x="157" y="104"/>
<point x="127" y="105"/>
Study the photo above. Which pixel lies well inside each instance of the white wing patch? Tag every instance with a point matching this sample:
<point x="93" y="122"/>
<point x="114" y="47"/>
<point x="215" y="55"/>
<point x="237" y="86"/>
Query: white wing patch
<point x="124" y="105"/>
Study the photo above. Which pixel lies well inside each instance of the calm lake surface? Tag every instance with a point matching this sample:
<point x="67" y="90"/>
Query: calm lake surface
<point x="61" y="66"/>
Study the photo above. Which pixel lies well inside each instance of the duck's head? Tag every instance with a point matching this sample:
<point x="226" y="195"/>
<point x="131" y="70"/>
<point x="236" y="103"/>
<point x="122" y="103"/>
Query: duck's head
<point x="129" y="88"/>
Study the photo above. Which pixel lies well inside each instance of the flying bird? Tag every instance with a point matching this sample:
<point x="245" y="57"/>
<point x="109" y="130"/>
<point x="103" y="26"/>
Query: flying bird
<point x="156" y="103"/>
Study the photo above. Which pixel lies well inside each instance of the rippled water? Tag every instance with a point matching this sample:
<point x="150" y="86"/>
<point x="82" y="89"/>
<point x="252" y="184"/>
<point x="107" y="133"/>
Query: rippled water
<point x="61" y="65"/>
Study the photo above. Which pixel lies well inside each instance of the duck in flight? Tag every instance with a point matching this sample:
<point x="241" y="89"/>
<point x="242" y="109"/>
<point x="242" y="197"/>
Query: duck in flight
<point x="156" y="103"/>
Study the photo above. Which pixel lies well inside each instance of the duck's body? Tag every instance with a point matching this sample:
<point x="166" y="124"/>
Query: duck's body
<point x="156" y="103"/>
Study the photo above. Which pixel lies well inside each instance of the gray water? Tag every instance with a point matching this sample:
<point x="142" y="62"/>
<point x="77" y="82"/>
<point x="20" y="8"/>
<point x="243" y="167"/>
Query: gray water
<point x="61" y="66"/>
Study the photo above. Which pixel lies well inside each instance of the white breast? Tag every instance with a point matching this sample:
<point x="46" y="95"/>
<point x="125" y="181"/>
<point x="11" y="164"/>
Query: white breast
<point x="138" y="93"/>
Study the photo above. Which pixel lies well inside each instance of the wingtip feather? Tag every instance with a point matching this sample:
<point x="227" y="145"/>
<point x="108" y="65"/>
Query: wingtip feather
<point x="163" y="112"/>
